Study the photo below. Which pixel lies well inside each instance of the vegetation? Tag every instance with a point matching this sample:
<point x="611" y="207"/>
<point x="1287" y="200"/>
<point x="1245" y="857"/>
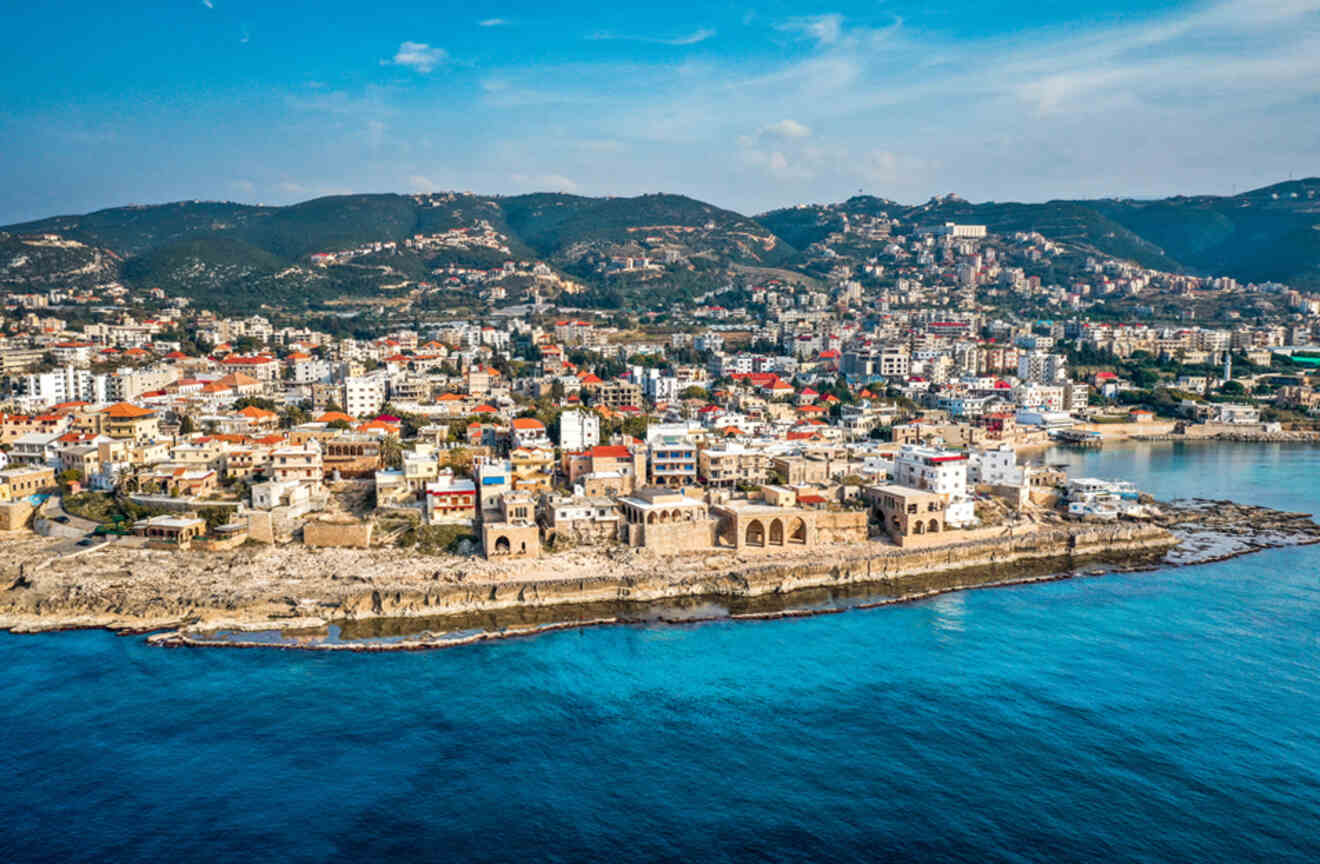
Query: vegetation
<point x="238" y="258"/>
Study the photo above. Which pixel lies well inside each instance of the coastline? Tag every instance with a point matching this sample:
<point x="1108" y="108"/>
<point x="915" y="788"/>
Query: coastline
<point x="427" y="642"/>
<point x="377" y="600"/>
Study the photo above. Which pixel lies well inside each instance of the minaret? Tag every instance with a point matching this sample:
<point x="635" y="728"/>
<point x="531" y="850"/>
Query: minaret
<point x="1228" y="366"/>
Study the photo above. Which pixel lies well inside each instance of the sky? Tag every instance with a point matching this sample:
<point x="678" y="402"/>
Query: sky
<point x="750" y="107"/>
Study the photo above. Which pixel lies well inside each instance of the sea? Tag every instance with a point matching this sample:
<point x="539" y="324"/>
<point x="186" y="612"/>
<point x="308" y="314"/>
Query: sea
<point x="1170" y="716"/>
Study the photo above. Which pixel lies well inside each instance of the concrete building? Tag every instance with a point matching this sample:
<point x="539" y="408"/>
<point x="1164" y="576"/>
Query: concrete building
<point x="661" y="520"/>
<point x="364" y="395"/>
<point x="450" y="500"/>
<point x="297" y="462"/>
<point x="578" y="430"/>
<point x="906" y="512"/>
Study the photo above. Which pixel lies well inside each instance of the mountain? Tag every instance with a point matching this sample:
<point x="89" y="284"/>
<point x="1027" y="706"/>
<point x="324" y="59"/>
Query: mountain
<point x="237" y="257"/>
<point x="1267" y="234"/>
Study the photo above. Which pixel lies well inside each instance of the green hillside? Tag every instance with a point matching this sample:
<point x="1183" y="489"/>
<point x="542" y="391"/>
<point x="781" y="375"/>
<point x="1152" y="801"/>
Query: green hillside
<point x="238" y="256"/>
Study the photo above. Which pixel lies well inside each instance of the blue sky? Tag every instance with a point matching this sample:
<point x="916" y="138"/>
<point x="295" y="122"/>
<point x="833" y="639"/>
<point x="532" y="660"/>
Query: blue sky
<point x="748" y="106"/>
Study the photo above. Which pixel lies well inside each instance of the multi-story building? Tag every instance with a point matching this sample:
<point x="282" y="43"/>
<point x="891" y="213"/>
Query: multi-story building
<point x="578" y="430"/>
<point x="1041" y="367"/>
<point x="941" y="471"/>
<point x="364" y="395"/>
<point x="298" y="462"/>
<point x="67" y="384"/>
<point x="673" y="455"/>
<point x="451" y="499"/>
<point x="125" y="420"/>
<point x="733" y="465"/>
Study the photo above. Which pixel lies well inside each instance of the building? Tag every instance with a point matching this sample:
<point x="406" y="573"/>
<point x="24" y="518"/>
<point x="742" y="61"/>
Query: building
<point x="450" y="500"/>
<point x="20" y="482"/>
<point x="942" y="471"/>
<point x="170" y="532"/>
<point x="572" y="520"/>
<point x="905" y="512"/>
<point x="673" y="455"/>
<point x="514" y="533"/>
<point x="67" y="384"/>
<point x="994" y="466"/>
<point x="578" y="430"/>
<point x="126" y="420"/>
<point x="528" y="432"/>
<point x="351" y="454"/>
<point x="364" y="395"/>
<point x="665" y="521"/>
<point x="297" y="462"/>
<point x="1042" y="368"/>
<point x="733" y="465"/>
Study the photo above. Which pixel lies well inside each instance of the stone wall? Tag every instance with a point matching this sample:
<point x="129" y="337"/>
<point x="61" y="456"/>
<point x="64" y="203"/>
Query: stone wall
<point x="836" y="567"/>
<point x="842" y="526"/>
<point x="326" y="532"/>
<point x="672" y="538"/>
<point x="14" y="514"/>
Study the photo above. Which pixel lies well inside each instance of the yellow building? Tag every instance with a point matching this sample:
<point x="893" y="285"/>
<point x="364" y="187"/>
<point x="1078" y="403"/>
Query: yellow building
<point x="126" y="420"/>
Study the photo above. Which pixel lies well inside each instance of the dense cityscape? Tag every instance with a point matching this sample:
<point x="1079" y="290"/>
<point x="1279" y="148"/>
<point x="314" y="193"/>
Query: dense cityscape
<point x="900" y="367"/>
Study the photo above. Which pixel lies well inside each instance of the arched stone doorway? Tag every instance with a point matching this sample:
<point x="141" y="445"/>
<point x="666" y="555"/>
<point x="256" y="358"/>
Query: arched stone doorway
<point x="755" y="533"/>
<point x="776" y="533"/>
<point x="797" y="531"/>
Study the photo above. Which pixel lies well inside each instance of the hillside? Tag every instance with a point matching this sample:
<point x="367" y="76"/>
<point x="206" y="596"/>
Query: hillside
<point x="237" y="257"/>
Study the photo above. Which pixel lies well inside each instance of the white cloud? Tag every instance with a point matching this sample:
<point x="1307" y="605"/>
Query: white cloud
<point x="823" y="29"/>
<point x="786" y="128"/>
<point x="419" y="183"/>
<point x="418" y="56"/>
<point x="492" y="22"/>
<point x="692" y="38"/>
<point x="544" y="183"/>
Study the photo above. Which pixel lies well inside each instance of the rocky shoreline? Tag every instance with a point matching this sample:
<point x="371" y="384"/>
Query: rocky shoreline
<point x="387" y="600"/>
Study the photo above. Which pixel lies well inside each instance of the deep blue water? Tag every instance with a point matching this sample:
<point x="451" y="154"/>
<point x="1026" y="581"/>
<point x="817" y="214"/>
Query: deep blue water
<point x="1166" y="716"/>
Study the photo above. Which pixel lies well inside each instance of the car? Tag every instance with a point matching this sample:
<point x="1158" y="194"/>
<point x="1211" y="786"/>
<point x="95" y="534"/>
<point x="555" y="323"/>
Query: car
<point x="87" y="541"/>
<point x="63" y="520"/>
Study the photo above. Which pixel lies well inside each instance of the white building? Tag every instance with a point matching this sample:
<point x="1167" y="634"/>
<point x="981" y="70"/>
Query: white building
<point x="67" y="384"/>
<point x="1043" y="368"/>
<point x="943" y="471"/>
<point x="578" y="430"/>
<point x="1042" y="397"/>
<point x="364" y="395"/>
<point x="994" y="466"/>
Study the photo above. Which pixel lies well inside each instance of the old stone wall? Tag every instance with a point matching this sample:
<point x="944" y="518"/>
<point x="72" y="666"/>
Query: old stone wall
<point x="325" y="532"/>
<point x="842" y="526"/>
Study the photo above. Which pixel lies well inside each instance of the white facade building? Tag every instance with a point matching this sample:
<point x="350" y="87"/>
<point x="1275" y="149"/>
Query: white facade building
<point x="364" y="395"/>
<point x="578" y="430"/>
<point x="67" y="384"/>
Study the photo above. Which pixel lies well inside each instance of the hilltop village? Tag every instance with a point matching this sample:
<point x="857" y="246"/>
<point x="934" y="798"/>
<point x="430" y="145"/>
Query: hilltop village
<point x="902" y="395"/>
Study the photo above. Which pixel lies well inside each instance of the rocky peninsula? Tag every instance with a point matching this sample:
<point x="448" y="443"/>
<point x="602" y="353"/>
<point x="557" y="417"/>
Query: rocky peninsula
<point x="388" y="599"/>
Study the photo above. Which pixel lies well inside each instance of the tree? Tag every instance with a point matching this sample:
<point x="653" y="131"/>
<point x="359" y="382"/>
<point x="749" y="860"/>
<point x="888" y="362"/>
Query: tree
<point x="1233" y="388"/>
<point x="391" y="452"/>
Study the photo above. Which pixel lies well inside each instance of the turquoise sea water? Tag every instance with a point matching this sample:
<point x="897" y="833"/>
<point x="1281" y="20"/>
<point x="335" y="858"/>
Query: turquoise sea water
<point x="1165" y="716"/>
